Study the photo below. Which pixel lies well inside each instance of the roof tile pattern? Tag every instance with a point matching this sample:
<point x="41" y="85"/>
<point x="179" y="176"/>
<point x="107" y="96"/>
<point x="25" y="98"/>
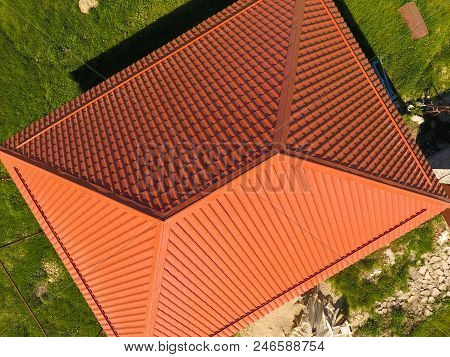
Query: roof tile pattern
<point x="338" y="116"/>
<point x="182" y="125"/>
<point x="209" y="105"/>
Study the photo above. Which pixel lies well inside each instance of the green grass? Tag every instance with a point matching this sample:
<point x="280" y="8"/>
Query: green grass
<point x="44" y="41"/>
<point x="395" y="323"/>
<point x="413" y="65"/>
<point x="363" y="293"/>
<point x="390" y="324"/>
<point x="437" y="325"/>
<point x="15" y="319"/>
<point x="16" y="219"/>
<point x="48" y="288"/>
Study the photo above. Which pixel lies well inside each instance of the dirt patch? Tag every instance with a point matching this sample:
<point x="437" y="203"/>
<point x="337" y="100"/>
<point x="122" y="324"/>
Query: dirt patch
<point x="41" y="290"/>
<point x="53" y="271"/>
<point x="278" y="323"/>
<point x="285" y="321"/>
<point x="411" y="15"/>
<point x="86" y="5"/>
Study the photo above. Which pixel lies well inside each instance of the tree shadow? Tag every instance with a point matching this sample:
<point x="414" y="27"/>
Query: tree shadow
<point x="146" y="41"/>
<point x="434" y="132"/>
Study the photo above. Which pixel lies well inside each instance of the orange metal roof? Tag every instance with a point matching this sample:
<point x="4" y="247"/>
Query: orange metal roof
<point x="255" y="243"/>
<point x="215" y="179"/>
<point x="258" y="78"/>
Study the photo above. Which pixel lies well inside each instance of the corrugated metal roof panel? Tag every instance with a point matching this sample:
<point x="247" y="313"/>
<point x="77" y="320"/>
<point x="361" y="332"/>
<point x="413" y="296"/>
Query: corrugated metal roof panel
<point x="108" y="248"/>
<point x="280" y="229"/>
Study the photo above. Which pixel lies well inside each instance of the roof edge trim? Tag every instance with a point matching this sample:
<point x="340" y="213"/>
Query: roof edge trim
<point x="288" y="86"/>
<point x="365" y="175"/>
<point x="90" y="186"/>
<point x="337" y="261"/>
<point x="64" y="249"/>
<point x="162" y="216"/>
<point x="358" y="62"/>
<point x="131" y="77"/>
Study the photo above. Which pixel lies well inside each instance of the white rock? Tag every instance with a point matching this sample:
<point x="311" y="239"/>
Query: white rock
<point x="435" y="259"/>
<point x="436" y="266"/>
<point x="417" y="119"/>
<point x="439" y="272"/>
<point x="442" y="287"/>
<point x="435" y="292"/>
<point x="443" y="238"/>
<point x="86" y="5"/>
<point x="444" y="265"/>
<point x="428" y="313"/>
<point x="431" y="299"/>
<point x="422" y="270"/>
<point x="427" y="276"/>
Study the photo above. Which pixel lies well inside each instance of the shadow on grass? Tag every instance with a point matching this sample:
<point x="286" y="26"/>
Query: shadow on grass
<point x="434" y="132"/>
<point x="367" y="48"/>
<point x="146" y="41"/>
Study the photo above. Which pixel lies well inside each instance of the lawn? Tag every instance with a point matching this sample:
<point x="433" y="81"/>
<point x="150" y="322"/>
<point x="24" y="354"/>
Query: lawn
<point x="361" y="292"/>
<point x="437" y="325"/>
<point x="414" y="66"/>
<point x="48" y="288"/>
<point x="45" y="46"/>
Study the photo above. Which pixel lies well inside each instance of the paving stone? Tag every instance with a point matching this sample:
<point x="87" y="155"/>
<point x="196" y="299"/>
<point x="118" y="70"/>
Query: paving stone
<point x="435" y="259"/>
<point x="435" y="292"/>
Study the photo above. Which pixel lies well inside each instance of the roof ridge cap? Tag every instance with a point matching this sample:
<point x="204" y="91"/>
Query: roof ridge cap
<point x="287" y="89"/>
<point x="246" y="8"/>
<point x="380" y="99"/>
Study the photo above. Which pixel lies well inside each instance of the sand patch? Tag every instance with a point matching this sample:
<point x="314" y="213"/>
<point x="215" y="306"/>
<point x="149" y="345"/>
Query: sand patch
<point x="86" y="5"/>
<point x="53" y="271"/>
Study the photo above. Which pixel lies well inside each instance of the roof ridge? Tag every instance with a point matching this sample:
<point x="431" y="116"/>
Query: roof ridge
<point x="287" y="91"/>
<point x="343" y="168"/>
<point x="144" y="70"/>
<point x="358" y="62"/>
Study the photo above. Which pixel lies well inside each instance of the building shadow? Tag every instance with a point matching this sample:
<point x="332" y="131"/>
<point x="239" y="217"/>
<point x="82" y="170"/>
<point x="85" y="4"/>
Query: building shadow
<point x="174" y="24"/>
<point x="146" y="41"/>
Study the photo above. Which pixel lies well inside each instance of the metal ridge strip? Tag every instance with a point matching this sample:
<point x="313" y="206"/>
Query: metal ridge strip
<point x="288" y="86"/>
<point x="358" y="62"/>
<point x="77" y="270"/>
<point x="317" y="273"/>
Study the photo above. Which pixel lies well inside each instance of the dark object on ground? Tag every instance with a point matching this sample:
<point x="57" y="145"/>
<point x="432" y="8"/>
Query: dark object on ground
<point x="414" y="20"/>
<point x="321" y="317"/>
